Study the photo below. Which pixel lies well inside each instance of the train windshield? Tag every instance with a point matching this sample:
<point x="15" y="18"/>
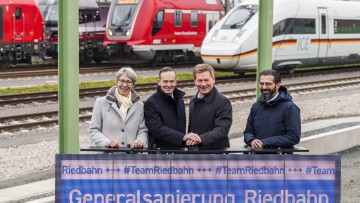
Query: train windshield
<point x="85" y="16"/>
<point x="88" y="16"/>
<point x="240" y="16"/>
<point x="44" y="6"/>
<point x="51" y="16"/>
<point x="43" y="9"/>
<point x="122" y="15"/>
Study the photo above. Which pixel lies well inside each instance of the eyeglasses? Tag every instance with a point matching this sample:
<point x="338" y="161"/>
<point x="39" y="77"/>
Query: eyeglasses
<point x="128" y="82"/>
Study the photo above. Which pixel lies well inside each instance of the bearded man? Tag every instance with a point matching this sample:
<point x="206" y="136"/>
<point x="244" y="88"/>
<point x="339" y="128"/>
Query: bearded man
<point x="274" y="120"/>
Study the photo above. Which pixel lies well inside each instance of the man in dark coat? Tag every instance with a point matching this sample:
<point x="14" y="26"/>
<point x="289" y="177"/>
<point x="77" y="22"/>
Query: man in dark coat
<point x="210" y="112"/>
<point x="164" y="113"/>
<point x="274" y="120"/>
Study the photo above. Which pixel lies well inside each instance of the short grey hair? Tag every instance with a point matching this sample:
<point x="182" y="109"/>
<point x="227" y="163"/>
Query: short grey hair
<point x="128" y="72"/>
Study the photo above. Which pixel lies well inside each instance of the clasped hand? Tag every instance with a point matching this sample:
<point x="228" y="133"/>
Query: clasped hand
<point x="192" y="139"/>
<point x="115" y="144"/>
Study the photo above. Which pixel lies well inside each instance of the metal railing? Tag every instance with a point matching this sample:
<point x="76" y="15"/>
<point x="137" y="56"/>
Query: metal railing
<point x="196" y="150"/>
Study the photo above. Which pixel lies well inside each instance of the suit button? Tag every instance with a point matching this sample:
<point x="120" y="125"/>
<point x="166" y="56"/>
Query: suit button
<point x="122" y="130"/>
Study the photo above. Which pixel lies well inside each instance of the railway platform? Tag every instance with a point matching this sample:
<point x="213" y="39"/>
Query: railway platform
<point x="43" y="191"/>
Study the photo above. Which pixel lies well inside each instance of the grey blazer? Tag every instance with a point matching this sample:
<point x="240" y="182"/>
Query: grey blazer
<point x="106" y="123"/>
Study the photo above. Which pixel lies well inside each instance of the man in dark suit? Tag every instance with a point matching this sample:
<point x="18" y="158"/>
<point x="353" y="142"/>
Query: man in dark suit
<point x="164" y="113"/>
<point x="210" y="112"/>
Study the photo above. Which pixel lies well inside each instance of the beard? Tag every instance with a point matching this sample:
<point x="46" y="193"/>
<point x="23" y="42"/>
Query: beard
<point x="269" y="95"/>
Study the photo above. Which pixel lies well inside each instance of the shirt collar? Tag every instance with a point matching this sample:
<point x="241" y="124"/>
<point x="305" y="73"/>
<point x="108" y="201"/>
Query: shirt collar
<point x="274" y="97"/>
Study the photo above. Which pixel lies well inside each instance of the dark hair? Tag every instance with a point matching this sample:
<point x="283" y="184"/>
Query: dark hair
<point x="276" y="74"/>
<point x="165" y="69"/>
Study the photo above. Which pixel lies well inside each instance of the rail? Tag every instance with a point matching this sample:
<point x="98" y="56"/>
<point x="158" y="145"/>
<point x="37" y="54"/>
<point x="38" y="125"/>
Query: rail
<point x="41" y="119"/>
<point x="197" y="150"/>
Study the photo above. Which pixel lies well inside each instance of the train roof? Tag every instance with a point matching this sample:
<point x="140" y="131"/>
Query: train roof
<point x="82" y="3"/>
<point x="88" y="4"/>
<point x="194" y="5"/>
<point x="45" y="2"/>
<point x="22" y="2"/>
<point x="343" y="8"/>
<point x="312" y="2"/>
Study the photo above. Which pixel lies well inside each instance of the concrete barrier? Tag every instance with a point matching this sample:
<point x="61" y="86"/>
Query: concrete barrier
<point x="332" y="142"/>
<point x="325" y="143"/>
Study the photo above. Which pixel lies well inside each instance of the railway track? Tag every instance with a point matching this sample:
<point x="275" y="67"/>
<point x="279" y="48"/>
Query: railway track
<point x="14" y="99"/>
<point x="51" y="72"/>
<point x="14" y="123"/>
<point x="41" y="97"/>
<point x="92" y="69"/>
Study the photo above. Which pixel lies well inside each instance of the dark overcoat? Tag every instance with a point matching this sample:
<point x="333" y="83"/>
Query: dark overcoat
<point x="165" y="119"/>
<point x="211" y="118"/>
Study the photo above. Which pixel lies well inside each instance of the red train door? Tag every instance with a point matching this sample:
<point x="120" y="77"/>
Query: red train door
<point x="18" y="24"/>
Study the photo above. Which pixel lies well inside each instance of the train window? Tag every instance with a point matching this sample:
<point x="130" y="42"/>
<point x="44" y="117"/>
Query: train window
<point x="211" y="2"/>
<point x="239" y="17"/>
<point x="86" y="16"/>
<point x="18" y="13"/>
<point x="279" y="28"/>
<point x="194" y="19"/>
<point x="52" y="15"/>
<point x="323" y="24"/>
<point x="1" y="24"/>
<point x="303" y="26"/>
<point x="294" y="26"/>
<point x="346" y="26"/>
<point x="158" y="22"/>
<point x="210" y="24"/>
<point x="178" y="18"/>
<point x="122" y="15"/>
<point x="97" y="16"/>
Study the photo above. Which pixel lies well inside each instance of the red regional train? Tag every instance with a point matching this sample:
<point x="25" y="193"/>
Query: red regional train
<point x="21" y="32"/>
<point x="159" y="31"/>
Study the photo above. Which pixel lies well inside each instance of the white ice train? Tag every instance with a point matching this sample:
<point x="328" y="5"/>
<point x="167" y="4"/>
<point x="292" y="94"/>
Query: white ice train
<point x="305" y="33"/>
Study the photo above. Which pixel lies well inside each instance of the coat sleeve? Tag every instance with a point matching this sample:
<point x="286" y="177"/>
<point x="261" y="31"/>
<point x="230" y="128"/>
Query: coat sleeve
<point x="142" y="133"/>
<point x="293" y="130"/>
<point x="222" y="124"/>
<point x="154" y="122"/>
<point x="95" y="129"/>
<point x="249" y="132"/>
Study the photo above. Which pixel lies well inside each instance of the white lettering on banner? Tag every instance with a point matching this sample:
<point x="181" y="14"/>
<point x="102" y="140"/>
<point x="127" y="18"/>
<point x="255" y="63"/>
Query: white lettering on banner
<point x="319" y="170"/>
<point x="185" y="33"/>
<point x="158" y="170"/>
<point x="81" y="170"/>
<point x="252" y="196"/>
<point x="253" y="170"/>
<point x="179" y="197"/>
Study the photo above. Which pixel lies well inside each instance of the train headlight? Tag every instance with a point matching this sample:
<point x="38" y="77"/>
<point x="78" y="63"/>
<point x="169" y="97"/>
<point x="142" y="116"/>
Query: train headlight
<point x="213" y="37"/>
<point x="238" y="36"/>
<point x="128" y="32"/>
<point x="110" y="32"/>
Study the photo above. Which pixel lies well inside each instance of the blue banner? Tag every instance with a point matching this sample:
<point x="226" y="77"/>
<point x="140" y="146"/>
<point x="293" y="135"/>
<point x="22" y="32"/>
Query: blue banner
<point x="140" y="178"/>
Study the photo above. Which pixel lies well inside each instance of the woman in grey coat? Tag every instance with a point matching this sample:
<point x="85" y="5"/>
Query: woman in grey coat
<point x="118" y="117"/>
